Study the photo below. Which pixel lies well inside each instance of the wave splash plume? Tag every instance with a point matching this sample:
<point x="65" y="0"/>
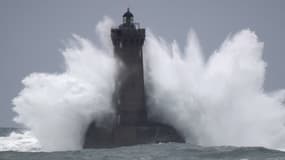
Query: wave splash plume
<point x="58" y="107"/>
<point x="219" y="101"/>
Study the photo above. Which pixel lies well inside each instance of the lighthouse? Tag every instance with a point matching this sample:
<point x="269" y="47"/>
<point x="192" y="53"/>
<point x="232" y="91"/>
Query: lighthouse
<point x="128" y="40"/>
<point x="130" y="125"/>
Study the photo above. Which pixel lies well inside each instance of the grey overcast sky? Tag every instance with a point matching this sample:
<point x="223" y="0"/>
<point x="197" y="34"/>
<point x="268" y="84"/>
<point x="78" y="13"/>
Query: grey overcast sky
<point x="33" y="31"/>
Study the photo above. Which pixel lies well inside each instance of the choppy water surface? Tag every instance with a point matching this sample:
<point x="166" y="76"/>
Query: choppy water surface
<point x="22" y="146"/>
<point x="168" y="151"/>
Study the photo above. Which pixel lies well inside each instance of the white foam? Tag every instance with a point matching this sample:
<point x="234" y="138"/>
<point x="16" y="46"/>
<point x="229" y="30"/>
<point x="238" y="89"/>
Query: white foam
<point x="23" y="142"/>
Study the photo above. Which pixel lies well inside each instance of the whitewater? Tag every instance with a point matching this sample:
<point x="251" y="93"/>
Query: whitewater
<point x="218" y="101"/>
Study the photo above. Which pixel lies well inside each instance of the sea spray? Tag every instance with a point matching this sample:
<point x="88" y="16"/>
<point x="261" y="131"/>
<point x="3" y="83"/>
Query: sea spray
<point x="58" y="107"/>
<point x="220" y="101"/>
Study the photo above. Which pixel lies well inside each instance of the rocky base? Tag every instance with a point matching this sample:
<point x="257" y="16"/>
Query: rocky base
<point x="130" y="135"/>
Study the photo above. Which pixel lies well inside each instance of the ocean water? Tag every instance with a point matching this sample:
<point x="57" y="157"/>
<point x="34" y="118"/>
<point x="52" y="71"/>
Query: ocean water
<point x="164" y="151"/>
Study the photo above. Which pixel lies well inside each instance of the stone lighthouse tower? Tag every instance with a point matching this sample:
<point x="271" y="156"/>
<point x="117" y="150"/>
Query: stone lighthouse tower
<point x="128" y="41"/>
<point x="130" y="125"/>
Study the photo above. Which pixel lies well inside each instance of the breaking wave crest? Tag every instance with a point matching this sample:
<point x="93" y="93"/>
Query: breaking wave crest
<point x="19" y="141"/>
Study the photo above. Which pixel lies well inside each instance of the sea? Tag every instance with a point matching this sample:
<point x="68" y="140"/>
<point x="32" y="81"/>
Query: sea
<point x="162" y="151"/>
